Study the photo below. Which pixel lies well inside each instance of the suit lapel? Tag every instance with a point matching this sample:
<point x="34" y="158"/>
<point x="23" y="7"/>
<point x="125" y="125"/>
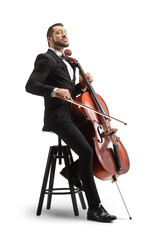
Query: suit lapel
<point x="60" y="61"/>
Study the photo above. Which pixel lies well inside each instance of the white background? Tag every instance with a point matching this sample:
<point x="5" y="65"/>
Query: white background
<point x="119" y="43"/>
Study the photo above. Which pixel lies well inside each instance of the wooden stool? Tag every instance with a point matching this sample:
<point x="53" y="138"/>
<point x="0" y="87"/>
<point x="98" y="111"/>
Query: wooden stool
<point x="59" y="152"/>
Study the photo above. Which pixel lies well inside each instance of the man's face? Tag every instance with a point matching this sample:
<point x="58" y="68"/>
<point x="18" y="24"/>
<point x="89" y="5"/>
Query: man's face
<point x="60" y="38"/>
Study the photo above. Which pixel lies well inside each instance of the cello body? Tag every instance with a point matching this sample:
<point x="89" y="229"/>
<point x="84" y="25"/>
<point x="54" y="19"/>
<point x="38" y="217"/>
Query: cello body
<point x="110" y="156"/>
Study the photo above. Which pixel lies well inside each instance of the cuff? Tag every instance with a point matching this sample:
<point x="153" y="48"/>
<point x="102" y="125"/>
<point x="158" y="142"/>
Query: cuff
<point x="53" y="93"/>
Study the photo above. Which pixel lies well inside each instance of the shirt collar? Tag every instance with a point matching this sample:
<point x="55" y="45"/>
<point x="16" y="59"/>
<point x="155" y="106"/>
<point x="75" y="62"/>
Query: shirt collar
<point x="56" y="52"/>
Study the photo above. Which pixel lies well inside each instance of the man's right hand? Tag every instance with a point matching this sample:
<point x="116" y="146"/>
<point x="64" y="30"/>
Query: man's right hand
<point x="63" y="94"/>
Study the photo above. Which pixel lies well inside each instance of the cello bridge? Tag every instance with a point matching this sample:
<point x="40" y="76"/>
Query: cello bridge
<point x="109" y="132"/>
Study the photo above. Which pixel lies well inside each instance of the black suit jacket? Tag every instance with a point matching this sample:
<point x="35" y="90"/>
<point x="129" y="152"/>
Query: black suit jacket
<point x="51" y="72"/>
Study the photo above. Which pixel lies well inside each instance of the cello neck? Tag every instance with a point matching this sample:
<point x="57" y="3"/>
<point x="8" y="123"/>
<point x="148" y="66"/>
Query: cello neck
<point x="93" y="94"/>
<point x="91" y="90"/>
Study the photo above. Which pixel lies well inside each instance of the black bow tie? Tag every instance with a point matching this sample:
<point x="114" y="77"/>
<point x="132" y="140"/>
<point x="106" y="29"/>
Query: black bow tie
<point x="64" y="57"/>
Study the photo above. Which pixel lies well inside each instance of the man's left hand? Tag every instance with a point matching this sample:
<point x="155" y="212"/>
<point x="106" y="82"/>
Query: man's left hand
<point x="83" y="82"/>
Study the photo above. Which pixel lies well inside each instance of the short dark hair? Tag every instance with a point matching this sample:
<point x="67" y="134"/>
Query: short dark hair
<point x="50" y="29"/>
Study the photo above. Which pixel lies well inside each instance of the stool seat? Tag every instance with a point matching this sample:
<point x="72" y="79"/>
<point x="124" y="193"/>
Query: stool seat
<point x="60" y="152"/>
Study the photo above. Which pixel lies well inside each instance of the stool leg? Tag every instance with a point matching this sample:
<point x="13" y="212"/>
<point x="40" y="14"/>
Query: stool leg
<point x="73" y="197"/>
<point x="70" y="155"/>
<point x="80" y="193"/>
<point x="51" y="180"/>
<point x="44" y="183"/>
<point x="60" y="150"/>
<point x="82" y="200"/>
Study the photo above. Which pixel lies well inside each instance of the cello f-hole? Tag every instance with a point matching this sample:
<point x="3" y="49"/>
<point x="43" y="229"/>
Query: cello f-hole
<point x="100" y="140"/>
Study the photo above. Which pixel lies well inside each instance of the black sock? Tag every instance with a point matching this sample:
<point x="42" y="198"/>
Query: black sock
<point x="94" y="206"/>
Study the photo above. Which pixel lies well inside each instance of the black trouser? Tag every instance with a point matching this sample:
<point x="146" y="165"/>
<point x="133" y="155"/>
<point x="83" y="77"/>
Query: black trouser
<point x="72" y="136"/>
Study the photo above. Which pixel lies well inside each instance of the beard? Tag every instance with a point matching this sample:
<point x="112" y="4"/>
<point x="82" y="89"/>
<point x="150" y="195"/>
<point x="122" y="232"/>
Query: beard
<point x="60" y="44"/>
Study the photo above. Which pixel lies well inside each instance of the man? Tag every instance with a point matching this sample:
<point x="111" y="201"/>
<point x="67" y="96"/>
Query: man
<point x="54" y="79"/>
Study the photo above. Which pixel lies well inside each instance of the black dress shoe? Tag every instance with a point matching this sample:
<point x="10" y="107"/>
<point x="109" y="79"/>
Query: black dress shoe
<point x="99" y="214"/>
<point x="75" y="177"/>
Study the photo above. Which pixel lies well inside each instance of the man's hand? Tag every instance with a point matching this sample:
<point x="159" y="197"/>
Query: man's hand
<point x="63" y="94"/>
<point x="82" y="81"/>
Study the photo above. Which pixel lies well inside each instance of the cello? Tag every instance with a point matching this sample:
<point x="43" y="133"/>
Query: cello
<point x="91" y="114"/>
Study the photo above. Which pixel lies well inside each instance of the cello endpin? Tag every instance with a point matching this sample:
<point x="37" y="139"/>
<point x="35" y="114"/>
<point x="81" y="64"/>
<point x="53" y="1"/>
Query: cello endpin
<point x="115" y="180"/>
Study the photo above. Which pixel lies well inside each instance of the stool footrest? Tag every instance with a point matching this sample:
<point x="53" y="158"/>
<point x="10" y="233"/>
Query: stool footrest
<point x="67" y="191"/>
